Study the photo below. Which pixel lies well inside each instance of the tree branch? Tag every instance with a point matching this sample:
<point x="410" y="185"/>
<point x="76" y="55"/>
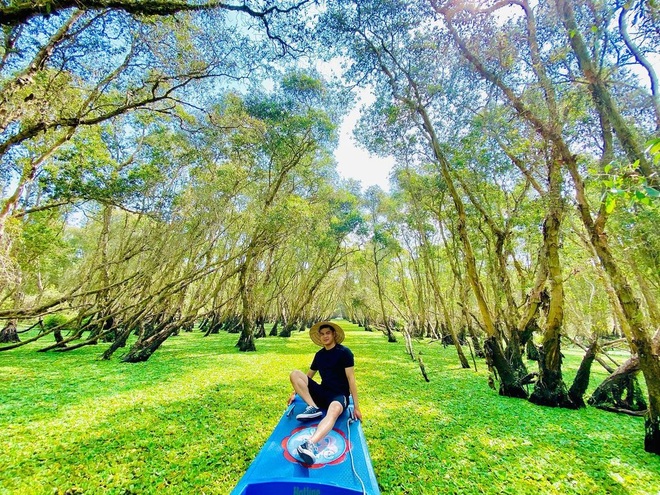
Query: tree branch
<point x="22" y="12"/>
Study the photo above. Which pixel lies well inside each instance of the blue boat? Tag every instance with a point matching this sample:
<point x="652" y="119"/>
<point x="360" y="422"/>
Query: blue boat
<point x="343" y="466"/>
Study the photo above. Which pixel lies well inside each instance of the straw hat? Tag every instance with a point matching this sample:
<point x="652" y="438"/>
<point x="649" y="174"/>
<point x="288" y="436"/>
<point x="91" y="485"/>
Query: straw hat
<point x="316" y="337"/>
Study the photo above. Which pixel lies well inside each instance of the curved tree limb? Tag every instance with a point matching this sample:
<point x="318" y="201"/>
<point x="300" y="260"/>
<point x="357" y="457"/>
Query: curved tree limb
<point x="22" y="12"/>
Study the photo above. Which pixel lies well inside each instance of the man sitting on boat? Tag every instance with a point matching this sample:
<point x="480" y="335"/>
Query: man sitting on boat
<point x="335" y="364"/>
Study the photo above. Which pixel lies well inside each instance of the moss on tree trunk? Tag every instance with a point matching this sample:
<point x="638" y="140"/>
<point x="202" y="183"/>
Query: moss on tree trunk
<point x="581" y="381"/>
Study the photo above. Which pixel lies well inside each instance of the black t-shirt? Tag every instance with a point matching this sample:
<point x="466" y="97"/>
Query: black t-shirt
<point x="332" y="365"/>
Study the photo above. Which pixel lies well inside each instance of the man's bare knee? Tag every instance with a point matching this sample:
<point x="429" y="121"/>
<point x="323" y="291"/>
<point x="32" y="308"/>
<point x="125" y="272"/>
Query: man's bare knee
<point x="298" y="376"/>
<point x="335" y="409"/>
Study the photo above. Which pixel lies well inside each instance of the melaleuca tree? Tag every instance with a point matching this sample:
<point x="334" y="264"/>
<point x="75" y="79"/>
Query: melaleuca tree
<point x="67" y="68"/>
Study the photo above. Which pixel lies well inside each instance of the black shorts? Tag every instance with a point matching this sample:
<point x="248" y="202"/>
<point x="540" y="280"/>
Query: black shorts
<point x="324" y="397"/>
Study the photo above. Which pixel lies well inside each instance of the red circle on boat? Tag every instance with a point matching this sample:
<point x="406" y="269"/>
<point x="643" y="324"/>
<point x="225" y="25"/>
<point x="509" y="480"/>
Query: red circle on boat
<point x="332" y="449"/>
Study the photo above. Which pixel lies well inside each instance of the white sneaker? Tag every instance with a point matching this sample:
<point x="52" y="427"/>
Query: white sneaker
<point x="307" y="452"/>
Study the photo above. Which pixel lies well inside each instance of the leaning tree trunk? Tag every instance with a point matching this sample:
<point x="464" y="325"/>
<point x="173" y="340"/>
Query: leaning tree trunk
<point x="261" y="328"/>
<point x="445" y="312"/>
<point x="639" y="336"/>
<point x="212" y="326"/>
<point x="120" y="341"/>
<point x="514" y="353"/>
<point x="581" y="381"/>
<point x="471" y="331"/>
<point x="390" y="335"/>
<point x="144" y="348"/>
<point x="640" y="333"/>
<point x="454" y="337"/>
<point x="620" y="392"/>
<point x="509" y="383"/>
<point x="550" y="389"/>
<point x="432" y="275"/>
<point x="602" y="96"/>
<point x="246" y="340"/>
<point x="287" y="329"/>
<point x="9" y="333"/>
<point x="502" y="286"/>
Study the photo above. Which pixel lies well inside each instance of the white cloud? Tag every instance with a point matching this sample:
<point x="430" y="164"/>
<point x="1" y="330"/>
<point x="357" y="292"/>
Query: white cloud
<point x="357" y="163"/>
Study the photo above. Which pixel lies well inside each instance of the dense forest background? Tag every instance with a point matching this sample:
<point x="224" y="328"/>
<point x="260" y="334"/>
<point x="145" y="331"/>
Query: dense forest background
<point x="168" y="167"/>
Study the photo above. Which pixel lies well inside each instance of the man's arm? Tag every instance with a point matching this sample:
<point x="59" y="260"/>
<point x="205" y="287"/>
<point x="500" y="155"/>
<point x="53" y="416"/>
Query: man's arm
<point x="350" y="374"/>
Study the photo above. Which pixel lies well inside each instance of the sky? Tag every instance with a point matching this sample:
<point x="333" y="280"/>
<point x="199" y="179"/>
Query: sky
<point x="357" y="163"/>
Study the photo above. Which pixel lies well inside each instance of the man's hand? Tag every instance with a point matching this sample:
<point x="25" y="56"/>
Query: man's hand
<point x="291" y="398"/>
<point x="357" y="413"/>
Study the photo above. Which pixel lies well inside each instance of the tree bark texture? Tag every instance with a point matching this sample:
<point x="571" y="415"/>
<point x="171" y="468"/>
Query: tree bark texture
<point x="639" y="335"/>
<point x="620" y="391"/>
<point x="246" y="340"/>
<point x="550" y="389"/>
<point x="509" y="383"/>
<point x="287" y="329"/>
<point x="143" y="349"/>
<point x="581" y="381"/>
<point x="9" y="333"/>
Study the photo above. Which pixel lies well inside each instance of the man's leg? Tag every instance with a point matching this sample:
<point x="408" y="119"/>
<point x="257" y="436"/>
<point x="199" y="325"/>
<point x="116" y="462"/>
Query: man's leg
<point x="334" y="411"/>
<point x="300" y="383"/>
<point x="307" y="451"/>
